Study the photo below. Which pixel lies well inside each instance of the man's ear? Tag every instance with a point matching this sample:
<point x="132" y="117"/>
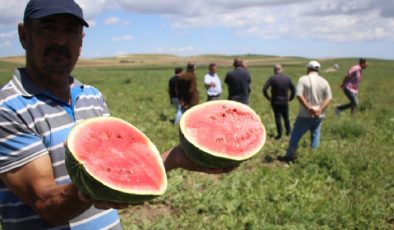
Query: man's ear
<point x="22" y="35"/>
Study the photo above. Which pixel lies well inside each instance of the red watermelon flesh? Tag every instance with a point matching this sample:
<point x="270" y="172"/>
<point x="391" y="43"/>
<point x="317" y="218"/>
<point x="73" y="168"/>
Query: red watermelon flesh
<point x="221" y="133"/>
<point x="118" y="155"/>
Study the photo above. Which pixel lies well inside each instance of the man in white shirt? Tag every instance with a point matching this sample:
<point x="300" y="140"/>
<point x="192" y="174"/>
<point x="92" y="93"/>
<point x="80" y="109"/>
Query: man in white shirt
<point x="212" y="83"/>
<point x="314" y="95"/>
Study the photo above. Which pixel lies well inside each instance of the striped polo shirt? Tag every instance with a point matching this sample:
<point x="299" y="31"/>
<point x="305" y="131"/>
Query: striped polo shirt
<point x="34" y="123"/>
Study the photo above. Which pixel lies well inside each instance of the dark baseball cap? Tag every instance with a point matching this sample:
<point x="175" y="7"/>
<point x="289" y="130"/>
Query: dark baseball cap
<point x="36" y="9"/>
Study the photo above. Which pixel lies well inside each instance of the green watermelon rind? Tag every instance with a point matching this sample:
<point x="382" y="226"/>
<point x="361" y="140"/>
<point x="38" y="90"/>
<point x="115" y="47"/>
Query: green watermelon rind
<point x="98" y="190"/>
<point x="210" y="159"/>
<point x="204" y="159"/>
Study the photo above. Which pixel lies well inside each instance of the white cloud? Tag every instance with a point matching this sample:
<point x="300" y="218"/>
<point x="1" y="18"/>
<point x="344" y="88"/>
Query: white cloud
<point x="112" y="21"/>
<point x="92" y="8"/>
<point x="5" y="44"/>
<point x="8" y="34"/>
<point x="11" y="12"/>
<point x="122" y="38"/>
<point x="116" y="21"/>
<point x="333" y="20"/>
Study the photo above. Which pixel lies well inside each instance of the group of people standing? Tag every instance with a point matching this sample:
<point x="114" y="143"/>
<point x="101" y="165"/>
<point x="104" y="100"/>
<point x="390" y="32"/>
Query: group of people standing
<point x="42" y="101"/>
<point x="312" y="91"/>
<point x="183" y="90"/>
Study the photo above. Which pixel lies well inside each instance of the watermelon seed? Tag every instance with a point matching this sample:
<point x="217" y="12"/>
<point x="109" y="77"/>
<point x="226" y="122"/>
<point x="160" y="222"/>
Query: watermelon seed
<point x="220" y="139"/>
<point x="108" y="169"/>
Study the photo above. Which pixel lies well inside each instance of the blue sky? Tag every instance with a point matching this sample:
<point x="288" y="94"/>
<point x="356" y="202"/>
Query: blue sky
<point x="315" y="29"/>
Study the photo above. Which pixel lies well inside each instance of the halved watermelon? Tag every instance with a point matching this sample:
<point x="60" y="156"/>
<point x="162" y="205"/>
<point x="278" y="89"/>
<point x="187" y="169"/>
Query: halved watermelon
<point x="221" y="134"/>
<point x="111" y="160"/>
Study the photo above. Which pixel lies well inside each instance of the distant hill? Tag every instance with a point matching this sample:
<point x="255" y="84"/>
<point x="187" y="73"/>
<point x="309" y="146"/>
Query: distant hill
<point x="171" y="60"/>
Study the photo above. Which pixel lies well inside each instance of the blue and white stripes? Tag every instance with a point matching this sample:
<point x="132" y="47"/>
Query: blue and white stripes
<point x="34" y="123"/>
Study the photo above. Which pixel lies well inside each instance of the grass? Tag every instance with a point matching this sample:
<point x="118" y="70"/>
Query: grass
<point x="346" y="184"/>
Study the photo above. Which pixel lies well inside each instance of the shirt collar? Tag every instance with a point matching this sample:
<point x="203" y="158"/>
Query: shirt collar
<point x="313" y="73"/>
<point x="27" y="88"/>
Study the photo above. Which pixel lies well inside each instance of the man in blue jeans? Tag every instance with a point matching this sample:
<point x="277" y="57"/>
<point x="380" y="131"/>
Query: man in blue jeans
<point x="314" y="95"/>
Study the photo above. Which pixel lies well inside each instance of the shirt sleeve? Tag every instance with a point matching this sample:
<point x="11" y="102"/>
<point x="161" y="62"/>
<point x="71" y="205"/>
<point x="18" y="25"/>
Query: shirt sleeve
<point x="266" y="87"/>
<point x="19" y="145"/>
<point x="106" y="112"/>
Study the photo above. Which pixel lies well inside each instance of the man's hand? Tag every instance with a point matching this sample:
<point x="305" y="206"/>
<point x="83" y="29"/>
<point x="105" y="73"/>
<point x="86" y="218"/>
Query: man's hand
<point x="176" y="158"/>
<point x="316" y="112"/>
<point x="103" y="204"/>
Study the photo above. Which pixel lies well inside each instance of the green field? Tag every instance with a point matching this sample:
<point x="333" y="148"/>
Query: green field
<point x="348" y="183"/>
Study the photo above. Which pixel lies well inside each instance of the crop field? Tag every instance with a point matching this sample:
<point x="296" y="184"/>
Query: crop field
<point x="347" y="183"/>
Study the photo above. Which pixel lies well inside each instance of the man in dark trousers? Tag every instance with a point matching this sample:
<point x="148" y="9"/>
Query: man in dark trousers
<point x="238" y="82"/>
<point x="280" y="85"/>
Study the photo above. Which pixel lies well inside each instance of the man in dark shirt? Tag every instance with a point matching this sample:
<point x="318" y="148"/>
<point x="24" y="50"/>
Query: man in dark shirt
<point x="280" y="85"/>
<point x="172" y="92"/>
<point x="187" y="87"/>
<point x="238" y="82"/>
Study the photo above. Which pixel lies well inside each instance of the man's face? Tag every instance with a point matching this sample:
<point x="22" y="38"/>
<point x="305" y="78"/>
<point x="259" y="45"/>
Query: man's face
<point x="213" y="69"/>
<point x="364" y="65"/>
<point x="53" y="44"/>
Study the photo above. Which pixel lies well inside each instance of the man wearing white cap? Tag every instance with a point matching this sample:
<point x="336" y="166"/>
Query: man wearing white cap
<point x="314" y="94"/>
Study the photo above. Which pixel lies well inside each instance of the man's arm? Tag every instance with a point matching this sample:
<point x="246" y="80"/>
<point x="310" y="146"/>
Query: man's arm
<point x="317" y="111"/>
<point x="35" y="185"/>
<point x="324" y="106"/>
<point x="176" y="158"/>
<point x="326" y="102"/>
<point x="207" y="83"/>
<point x="305" y="103"/>
<point x="267" y="85"/>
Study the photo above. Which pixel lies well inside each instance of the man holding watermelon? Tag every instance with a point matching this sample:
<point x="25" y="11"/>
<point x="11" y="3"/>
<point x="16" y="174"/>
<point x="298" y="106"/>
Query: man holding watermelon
<point x="38" y="107"/>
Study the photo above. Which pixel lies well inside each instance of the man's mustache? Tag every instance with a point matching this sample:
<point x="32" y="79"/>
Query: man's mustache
<point x="56" y="49"/>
